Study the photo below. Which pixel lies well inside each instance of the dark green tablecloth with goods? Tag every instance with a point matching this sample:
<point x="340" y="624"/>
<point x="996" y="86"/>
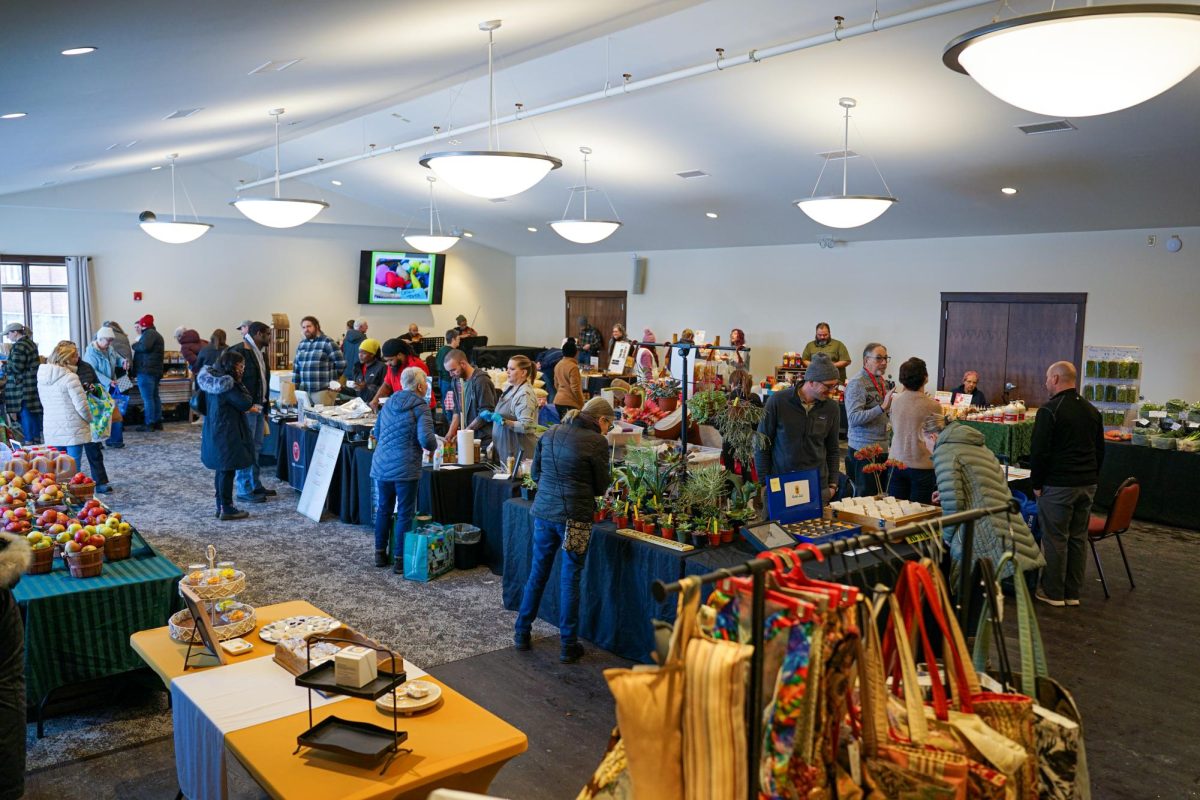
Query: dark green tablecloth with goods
<point x="78" y="629"/>
<point x="1011" y="440"/>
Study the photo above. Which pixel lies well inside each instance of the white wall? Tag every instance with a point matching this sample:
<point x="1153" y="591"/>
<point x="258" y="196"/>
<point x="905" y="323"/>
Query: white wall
<point x="890" y="292"/>
<point x="241" y="270"/>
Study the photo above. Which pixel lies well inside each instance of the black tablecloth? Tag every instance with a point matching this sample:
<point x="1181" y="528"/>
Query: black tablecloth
<point x="1168" y="479"/>
<point x="488" y="516"/>
<point x="445" y="494"/>
<point x="497" y="355"/>
<point x="594" y="384"/>
<point x="295" y="449"/>
<point x="615" y="606"/>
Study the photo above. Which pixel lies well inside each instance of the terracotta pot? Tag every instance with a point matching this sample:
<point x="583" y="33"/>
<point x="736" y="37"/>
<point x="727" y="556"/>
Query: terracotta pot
<point x="622" y="522"/>
<point x="714" y="539"/>
<point x="633" y="400"/>
<point x="597" y="516"/>
<point x="667" y="404"/>
<point x="668" y="533"/>
<point x="726" y="535"/>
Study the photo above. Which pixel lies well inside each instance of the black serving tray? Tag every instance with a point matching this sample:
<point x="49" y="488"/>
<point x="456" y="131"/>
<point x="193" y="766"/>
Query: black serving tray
<point x="321" y="678"/>
<point x="358" y="741"/>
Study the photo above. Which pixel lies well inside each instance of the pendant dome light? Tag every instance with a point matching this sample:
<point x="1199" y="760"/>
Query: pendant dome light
<point x="845" y="210"/>
<point x="434" y="242"/>
<point x="1080" y="62"/>
<point x="584" y="231"/>
<point x="491" y="173"/>
<point x="173" y="232"/>
<point x="278" y="212"/>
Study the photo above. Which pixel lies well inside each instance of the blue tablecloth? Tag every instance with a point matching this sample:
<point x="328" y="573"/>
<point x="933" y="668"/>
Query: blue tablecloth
<point x="615" y="607"/>
<point x="488" y="516"/>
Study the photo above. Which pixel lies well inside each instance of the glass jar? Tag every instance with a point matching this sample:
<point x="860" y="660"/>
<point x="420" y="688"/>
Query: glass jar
<point x="1110" y="393"/>
<point x="1135" y="369"/>
<point x="1089" y="391"/>
<point x="1089" y="369"/>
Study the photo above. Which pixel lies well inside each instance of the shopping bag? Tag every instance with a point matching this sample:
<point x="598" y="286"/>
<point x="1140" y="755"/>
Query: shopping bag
<point x="1058" y="726"/>
<point x="427" y="554"/>
<point x="124" y="384"/>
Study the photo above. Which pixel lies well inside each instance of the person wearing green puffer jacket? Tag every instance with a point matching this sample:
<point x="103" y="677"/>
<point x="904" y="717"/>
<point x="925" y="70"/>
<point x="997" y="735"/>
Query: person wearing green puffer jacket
<point x="969" y="476"/>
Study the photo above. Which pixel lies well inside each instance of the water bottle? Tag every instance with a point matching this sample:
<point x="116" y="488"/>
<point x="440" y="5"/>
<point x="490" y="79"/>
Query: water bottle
<point x="437" y="457"/>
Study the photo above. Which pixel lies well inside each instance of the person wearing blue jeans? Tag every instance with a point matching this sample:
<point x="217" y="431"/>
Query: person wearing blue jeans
<point x="151" y="403"/>
<point x="570" y="464"/>
<point x="403" y="429"/>
<point x="31" y="425"/>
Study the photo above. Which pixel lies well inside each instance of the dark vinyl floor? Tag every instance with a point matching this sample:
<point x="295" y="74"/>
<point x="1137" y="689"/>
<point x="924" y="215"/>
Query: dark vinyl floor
<point x="1131" y="661"/>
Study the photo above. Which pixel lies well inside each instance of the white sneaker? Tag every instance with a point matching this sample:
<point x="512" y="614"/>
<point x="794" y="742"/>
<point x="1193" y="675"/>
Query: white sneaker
<point x="1049" y="600"/>
<point x="1072" y="601"/>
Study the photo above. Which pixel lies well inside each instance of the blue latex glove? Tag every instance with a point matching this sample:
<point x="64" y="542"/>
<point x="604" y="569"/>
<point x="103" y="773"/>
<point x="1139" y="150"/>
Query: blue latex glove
<point x="489" y="416"/>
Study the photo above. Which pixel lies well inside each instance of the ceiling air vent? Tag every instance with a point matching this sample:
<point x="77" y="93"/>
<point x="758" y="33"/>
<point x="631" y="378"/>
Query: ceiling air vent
<point x="274" y="66"/>
<point x="1055" y="126"/>
<point x="837" y="155"/>
<point x="497" y="199"/>
<point x="692" y="173"/>
<point x="183" y="113"/>
<point x="78" y="167"/>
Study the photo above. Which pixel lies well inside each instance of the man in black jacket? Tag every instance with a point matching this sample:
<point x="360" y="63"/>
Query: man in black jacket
<point x="570" y="464"/>
<point x="1066" y="453"/>
<point x="148" y="371"/>
<point x="801" y="425"/>
<point x="257" y="380"/>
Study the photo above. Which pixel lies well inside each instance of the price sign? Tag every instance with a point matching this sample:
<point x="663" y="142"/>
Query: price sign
<point x="1156" y="414"/>
<point x="918" y="537"/>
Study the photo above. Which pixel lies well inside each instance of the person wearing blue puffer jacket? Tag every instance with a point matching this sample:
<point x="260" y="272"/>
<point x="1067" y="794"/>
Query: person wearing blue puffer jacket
<point x="403" y="429"/>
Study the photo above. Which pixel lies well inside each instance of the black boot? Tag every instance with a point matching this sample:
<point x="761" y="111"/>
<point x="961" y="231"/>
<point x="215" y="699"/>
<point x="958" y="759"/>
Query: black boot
<point x="232" y="512"/>
<point x="156" y="426"/>
<point x="381" y="558"/>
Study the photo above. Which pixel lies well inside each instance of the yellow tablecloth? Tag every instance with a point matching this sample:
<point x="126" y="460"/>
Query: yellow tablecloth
<point x="458" y="744"/>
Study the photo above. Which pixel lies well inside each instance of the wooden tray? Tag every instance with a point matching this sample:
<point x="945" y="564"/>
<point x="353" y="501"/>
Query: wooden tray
<point x="358" y="741"/>
<point x="878" y="524"/>
<point x="297" y="664"/>
<point x="650" y="538"/>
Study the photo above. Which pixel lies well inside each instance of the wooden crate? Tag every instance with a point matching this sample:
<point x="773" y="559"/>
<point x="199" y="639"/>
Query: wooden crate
<point x="877" y="523"/>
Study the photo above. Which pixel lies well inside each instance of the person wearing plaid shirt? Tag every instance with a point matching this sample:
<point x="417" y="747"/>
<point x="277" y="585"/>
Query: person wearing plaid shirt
<point x="319" y="362"/>
<point x="20" y="391"/>
<point x="590" y="340"/>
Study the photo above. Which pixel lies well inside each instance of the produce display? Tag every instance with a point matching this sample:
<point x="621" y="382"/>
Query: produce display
<point x="48" y="518"/>
<point x="217" y="585"/>
<point x="1111" y="380"/>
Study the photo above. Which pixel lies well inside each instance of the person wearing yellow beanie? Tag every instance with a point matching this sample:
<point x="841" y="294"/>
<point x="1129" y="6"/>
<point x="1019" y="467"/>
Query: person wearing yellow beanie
<point x="367" y="375"/>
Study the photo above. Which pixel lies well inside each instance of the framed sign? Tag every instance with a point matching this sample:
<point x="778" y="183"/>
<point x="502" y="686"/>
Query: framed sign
<point x="620" y="355"/>
<point x="204" y="627"/>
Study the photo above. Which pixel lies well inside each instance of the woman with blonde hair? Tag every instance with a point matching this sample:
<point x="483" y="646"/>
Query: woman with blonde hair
<point x="515" y="419"/>
<point x="66" y="420"/>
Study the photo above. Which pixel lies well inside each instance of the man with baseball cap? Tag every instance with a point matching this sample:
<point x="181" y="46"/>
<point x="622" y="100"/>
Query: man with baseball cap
<point x="464" y="329"/>
<point x="21" y="392"/>
<point x="148" y="371"/>
<point x="801" y="425"/>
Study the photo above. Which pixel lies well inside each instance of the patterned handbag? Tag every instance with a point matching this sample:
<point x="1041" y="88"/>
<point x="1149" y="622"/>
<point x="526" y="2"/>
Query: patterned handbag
<point x="577" y="536"/>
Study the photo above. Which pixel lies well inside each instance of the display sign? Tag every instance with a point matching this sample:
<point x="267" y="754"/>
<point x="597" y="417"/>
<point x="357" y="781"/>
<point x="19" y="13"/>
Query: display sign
<point x="616" y="364"/>
<point x="767" y="536"/>
<point x="320" y="472"/>
<point x="794" y="496"/>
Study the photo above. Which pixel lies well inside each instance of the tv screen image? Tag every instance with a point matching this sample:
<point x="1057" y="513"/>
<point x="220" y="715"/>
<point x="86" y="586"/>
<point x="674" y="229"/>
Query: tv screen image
<point x="395" y="278"/>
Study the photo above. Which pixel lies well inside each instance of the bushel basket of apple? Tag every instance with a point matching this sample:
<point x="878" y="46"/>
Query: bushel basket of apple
<point x="81" y="487"/>
<point x="86" y="563"/>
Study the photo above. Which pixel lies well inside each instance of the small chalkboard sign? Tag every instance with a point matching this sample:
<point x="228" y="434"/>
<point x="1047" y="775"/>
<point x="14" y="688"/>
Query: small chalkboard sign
<point x="203" y="627"/>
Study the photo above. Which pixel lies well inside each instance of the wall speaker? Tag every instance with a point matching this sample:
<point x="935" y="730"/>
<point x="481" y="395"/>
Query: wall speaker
<point x="639" y="275"/>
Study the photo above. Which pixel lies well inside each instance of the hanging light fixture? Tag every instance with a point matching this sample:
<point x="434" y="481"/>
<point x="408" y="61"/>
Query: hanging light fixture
<point x="584" y="231"/>
<point x="434" y="242"/>
<point x="845" y="210"/>
<point x="278" y="212"/>
<point x="491" y="173"/>
<point x="173" y="232"/>
<point x="1080" y="62"/>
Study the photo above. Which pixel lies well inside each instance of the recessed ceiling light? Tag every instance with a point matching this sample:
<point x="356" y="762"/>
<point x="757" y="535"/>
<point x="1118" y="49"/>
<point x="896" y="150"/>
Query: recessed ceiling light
<point x="1009" y="190"/>
<point x="78" y="51"/>
<point x="468" y="234"/>
<point x="710" y="214"/>
<point x="13" y="115"/>
<point x="336" y="182"/>
<point x="156" y="167"/>
<point x="531" y="229"/>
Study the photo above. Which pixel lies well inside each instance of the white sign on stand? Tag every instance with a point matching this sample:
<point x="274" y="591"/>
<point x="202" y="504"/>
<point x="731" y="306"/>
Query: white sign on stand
<point x="320" y="472"/>
<point x="616" y="364"/>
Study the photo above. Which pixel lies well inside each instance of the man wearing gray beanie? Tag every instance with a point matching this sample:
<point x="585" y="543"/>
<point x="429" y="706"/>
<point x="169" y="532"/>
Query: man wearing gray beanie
<point x="801" y="425"/>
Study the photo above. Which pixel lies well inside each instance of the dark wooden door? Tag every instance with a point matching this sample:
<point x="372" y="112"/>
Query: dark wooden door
<point x="1009" y="338"/>
<point x="978" y="340"/>
<point x="602" y="308"/>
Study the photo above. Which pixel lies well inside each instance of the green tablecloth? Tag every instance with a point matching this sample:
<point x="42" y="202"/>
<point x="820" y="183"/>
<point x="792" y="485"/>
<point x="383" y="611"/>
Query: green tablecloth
<point x="78" y="628"/>
<point x="1011" y="440"/>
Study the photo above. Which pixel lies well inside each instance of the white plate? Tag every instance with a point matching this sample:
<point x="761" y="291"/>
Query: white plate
<point x="399" y="701"/>
<point x="296" y="626"/>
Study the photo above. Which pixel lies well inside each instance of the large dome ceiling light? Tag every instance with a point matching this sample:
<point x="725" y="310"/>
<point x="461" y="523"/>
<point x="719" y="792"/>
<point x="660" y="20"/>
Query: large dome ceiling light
<point x="491" y="173"/>
<point x="585" y="231"/>
<point x="434" y="242"/>
<point x="1080" y="62"/>
<point x="278" y="212"/>
<point x="846" y="210"/>
<point x="173" y="232"/>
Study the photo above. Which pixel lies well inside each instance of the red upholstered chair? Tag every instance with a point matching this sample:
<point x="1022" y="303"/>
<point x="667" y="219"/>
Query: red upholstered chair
<point x="1120" y="514"/>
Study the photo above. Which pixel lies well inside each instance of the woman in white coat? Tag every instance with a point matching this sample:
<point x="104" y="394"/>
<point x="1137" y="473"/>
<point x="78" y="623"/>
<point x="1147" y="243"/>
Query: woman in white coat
<point x="67" y="419"/>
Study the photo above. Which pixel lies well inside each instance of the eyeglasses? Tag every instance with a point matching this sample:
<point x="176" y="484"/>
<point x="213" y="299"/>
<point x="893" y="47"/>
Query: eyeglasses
<point x="831" y="385"/>
<point x="882" y="358"/>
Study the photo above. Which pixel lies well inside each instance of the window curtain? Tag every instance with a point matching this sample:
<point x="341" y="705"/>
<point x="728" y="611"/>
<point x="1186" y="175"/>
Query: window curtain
<point x="79" y="299"/>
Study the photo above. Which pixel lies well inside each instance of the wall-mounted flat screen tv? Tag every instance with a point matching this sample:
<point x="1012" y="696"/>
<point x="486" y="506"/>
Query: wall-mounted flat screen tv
<point x="400" y="279"/>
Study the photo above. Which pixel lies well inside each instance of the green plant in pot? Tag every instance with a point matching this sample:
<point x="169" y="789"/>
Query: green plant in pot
<point x="665" y="393"/>
<point x="528" y="487"/>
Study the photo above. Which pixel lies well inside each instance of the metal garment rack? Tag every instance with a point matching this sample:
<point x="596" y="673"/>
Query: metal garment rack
<point x="757" y="567"/>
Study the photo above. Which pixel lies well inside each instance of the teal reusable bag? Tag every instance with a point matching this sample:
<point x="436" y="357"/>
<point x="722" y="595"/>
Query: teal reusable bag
<point x="427" y="554"/>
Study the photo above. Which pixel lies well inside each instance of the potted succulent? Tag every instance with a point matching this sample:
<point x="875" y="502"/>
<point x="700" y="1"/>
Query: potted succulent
<point x="700" y="531"/>
<point x="725" y="525"/>
<point x="667" y="525"/>
<point x="683" y="529"/>
<point x="634" y="397"/>
<point x="714" y="531"/>
<point x="665" y="393"/>
<point x="528" y="487"/>
<point x="599" y="514"/>
<point x="621" y="514"/>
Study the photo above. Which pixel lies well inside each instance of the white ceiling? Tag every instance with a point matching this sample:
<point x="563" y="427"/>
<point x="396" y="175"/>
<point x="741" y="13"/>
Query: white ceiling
<point x="944" y="145"/>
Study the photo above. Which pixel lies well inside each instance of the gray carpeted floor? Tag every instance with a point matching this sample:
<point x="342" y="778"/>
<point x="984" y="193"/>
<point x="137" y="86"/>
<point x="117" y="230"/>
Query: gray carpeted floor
<point x="167" y="493"/>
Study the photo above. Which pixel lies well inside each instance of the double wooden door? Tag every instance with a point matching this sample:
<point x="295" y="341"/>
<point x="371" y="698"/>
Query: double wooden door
<point x="603" y="310"/>
<point x="1009" y="338"/>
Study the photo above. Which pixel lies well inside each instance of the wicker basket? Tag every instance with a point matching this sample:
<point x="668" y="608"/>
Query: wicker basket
<point x="43" y="561"/>
<point x="219" y="591"/>
<point x="182" y="627"/>
<point x="82" y="493"/>
<point x="85" y="565"/>
<point x="118" y="548"/>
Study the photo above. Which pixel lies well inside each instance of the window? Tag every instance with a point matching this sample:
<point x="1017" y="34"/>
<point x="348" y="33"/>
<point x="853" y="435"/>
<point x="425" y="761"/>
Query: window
<point x="33" y="291"/>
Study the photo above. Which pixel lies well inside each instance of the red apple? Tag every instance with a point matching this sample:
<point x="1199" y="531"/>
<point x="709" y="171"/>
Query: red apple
<point x="96" y="540"/>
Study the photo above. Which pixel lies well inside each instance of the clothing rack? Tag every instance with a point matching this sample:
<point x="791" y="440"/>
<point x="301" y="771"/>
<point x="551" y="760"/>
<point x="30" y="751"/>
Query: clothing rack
<point x="757" y="567"/>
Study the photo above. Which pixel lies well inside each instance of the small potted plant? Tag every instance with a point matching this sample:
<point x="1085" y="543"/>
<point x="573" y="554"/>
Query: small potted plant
<point x="665" y="393"/>
<point x="683" y="529"/>
<point x="877" y="468"/>
<point x="621" y="514"/>
<point x="668" y="526"/>
<point x="725" y="527"/>
<point x="699" y="532"/>
<point x="528" y="487"/>
<point x="599" y="514"/>
<point x="714" y="532"/>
